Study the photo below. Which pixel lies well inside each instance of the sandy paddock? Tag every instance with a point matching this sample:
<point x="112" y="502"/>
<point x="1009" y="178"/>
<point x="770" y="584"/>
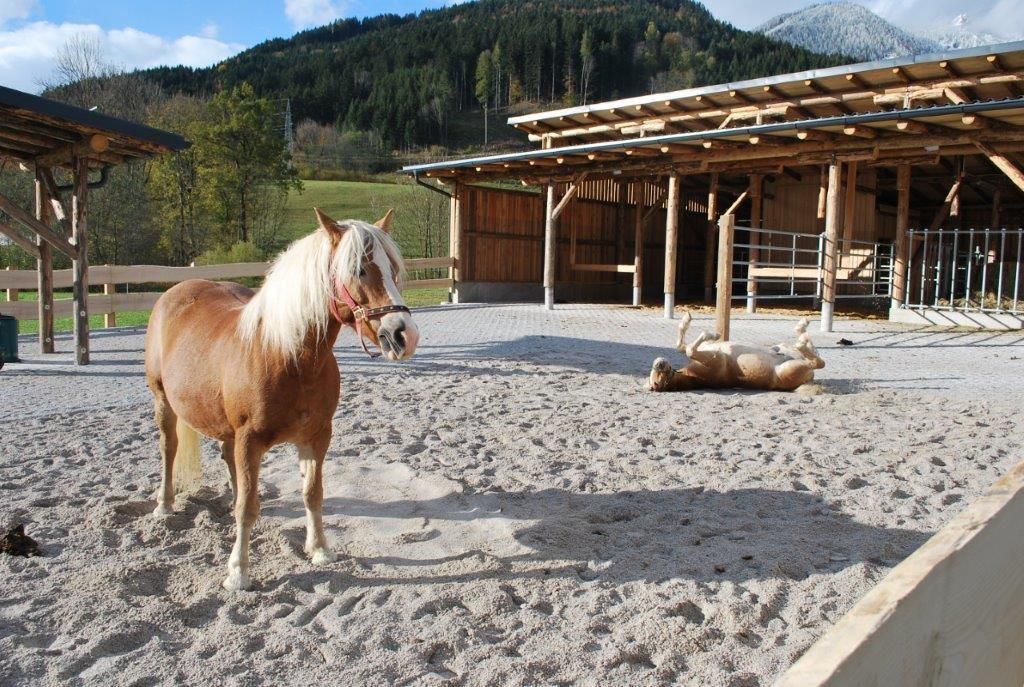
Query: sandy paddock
<point x="512" y="507"/>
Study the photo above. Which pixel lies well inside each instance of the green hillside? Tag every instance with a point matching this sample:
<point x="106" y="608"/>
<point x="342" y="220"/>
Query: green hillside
<point x="410" y="78"/>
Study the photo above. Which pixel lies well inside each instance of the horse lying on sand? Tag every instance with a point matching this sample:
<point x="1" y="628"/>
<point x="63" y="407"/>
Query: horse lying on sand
<point x="254" y="370"/>
<point x="717" y="364"/>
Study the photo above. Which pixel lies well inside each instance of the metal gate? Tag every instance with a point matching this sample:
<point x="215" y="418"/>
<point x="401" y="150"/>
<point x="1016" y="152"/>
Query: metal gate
<point x="772" y="264"/>
<point x="964" y="271"/>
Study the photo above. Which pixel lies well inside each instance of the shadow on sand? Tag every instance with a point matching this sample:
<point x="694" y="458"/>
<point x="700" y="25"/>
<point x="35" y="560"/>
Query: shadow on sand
<point x="644" y="535"/>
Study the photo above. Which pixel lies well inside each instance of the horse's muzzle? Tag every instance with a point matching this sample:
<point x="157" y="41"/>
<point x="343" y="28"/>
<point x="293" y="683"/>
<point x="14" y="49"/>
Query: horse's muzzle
<point x="398" y="338"/>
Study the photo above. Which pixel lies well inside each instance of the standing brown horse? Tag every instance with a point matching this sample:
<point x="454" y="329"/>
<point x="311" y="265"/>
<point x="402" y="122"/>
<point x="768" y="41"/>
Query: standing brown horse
<point x="254" y="370"/>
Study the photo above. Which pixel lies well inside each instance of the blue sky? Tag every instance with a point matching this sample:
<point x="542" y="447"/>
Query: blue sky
<point x="144" y="33"/>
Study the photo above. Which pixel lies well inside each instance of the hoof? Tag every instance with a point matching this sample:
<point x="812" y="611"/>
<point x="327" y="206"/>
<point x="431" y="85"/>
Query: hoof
<point x="323" y="556"/>
<point x="712" y="336"/>
<point x="236" y="582"/>
<point x="162" y="510"/>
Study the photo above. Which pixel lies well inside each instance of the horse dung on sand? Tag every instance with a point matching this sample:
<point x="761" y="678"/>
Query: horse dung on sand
<point x="715" y="364"/>
<point x="254" y="370"/>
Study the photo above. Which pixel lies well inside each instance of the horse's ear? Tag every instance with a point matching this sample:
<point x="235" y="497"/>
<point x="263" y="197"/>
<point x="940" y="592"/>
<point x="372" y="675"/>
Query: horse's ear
<point x="328" y="224"/>
<point x="385" y="221"/>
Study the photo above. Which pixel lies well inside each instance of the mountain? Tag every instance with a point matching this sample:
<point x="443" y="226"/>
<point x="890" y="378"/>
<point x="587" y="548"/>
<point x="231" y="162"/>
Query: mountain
<point x="407" y="77"/>
<point x="848" y="28"/>
<point x="959" y="35"/>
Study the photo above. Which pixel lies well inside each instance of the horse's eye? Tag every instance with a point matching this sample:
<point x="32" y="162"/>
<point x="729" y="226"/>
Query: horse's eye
<point x="362" y="272"/>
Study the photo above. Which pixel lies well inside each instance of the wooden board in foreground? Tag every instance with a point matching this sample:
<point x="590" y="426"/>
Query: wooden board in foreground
<point x="951" y="614"/>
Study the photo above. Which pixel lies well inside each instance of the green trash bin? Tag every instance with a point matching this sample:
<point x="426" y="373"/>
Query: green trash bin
<point x="8" y="340"/>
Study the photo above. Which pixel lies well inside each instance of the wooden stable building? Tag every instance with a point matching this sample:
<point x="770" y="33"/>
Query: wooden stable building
<point x="622" y="198"/>
<point x="39" y="136"/>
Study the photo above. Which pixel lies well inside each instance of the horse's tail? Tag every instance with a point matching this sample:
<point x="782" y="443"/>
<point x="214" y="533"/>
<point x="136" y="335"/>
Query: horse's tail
<point x="188" y="470"/>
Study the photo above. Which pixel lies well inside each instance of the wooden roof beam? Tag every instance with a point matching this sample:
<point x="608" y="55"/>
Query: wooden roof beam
<point x="860" y="131"/>
<point x="949" y="68"/>
<point x="15" y="236"/>
<point x="975" y="121"/>
<point x="901" y="75"/>
<point x="644" y="110"/>
<point x="857" y="82"/>
<point x="1004" y="163"/>
<point x="740" y="96"/>
<point x="995" y="63"/>
<point x="814" y="135"/>
<point x="97" y="144"/>
<point x="642" y="152"/>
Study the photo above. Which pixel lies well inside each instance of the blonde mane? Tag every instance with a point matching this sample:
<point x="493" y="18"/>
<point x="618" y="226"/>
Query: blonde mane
<point x="299" y="286"/>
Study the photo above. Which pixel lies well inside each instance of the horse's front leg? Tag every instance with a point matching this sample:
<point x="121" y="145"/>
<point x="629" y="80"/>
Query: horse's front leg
<point x="311" y="464"/>
<point x="248" y="457"/>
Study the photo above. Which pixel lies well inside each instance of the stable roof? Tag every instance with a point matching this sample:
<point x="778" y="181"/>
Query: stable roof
<point x="50" y="133"/>
<point x="981" y="73"/>
<point x="922" y="131"/>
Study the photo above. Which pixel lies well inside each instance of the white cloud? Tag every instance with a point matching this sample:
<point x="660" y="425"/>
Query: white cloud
<point x="16" y="9"/>
<point x="28" y="53"/>
<point x="209" y="30"/>
<point x="305" y="13"/>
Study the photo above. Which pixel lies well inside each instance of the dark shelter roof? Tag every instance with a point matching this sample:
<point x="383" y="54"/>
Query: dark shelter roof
<point x="50" y="133"/>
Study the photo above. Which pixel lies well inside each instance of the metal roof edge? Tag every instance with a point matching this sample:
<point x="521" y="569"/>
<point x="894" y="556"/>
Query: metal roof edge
<point x="826" y="72"/>
<point x="821" y="122"/>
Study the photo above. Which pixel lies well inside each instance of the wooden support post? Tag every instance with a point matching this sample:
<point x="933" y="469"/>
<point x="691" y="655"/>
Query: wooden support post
<point x="620" y="223"/>
<point x="549" y="248"/>
<point x="671" y="239"/>
<point x="850" y="209"/>
<point x="710" y="240"/>
<point x="828" y="287"/>
<point x="12" y="294"/>
<point x="44" y="270"/>
<point x="723" y="305"/>
<point x="80" y="265"/>
<point x="638" y="243"/>
<point x="822" y="193"/>
<point x="755" y="239"/>
<point x="110" y="318"/>
<point x="899" y="271"/>
<point x="455" y="239"/>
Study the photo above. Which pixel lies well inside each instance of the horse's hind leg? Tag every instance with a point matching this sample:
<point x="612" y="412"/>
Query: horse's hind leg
<point x="311" y="462"/>
<point x="684" y="324"/>
<point x="166" y="421"/>
<point x="806" y="348"/>
<point x="248" y="456"/>
<point x="227" y="454"/>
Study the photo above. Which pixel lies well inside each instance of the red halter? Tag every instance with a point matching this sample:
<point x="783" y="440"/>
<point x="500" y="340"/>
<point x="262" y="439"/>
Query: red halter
<point x="360" y="313"/>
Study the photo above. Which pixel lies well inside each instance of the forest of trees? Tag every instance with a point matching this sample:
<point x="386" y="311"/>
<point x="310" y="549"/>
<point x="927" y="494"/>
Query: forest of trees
<point x="402" y="78"/>
<point x="220" y="199"/>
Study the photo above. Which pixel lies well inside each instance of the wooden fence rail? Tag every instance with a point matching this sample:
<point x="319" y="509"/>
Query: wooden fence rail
<point x="109" y="303"/>
<point x="949" y="615"/>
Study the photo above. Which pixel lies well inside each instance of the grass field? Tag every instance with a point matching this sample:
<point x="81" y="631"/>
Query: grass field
<point x="340" y="200"/>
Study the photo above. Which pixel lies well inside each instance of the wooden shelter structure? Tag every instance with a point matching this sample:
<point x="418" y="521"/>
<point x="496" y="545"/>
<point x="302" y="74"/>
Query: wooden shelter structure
<point x="40" y="136"/>
<point x="860" y="152"/>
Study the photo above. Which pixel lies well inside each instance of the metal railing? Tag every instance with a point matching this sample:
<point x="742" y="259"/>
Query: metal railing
<point x="773" y="264"/>
<point x="965" y="270"/>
